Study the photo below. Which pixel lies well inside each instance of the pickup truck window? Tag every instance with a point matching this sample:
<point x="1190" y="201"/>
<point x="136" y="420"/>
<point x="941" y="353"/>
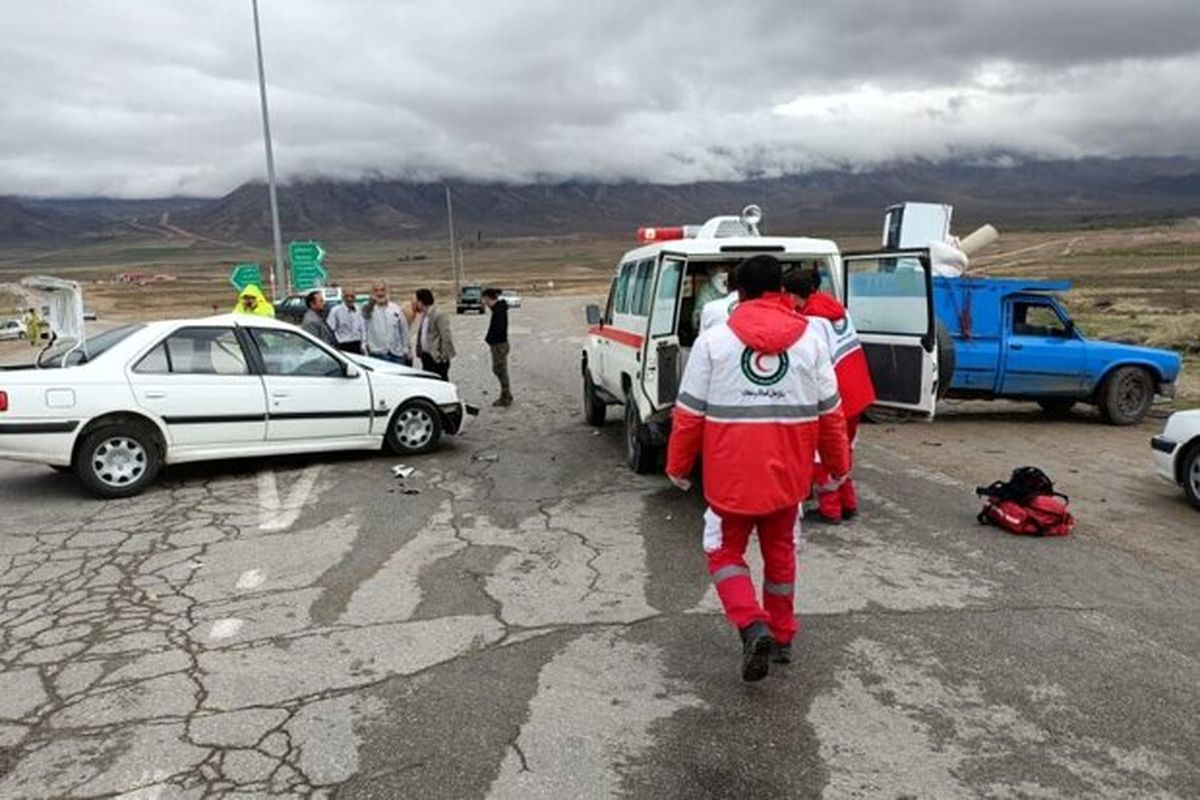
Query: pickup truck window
<point x="1037" y="319"/>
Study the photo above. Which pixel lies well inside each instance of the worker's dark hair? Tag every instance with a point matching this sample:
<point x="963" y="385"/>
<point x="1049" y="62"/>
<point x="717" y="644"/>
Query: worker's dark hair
<point x="759" y="275"/>
<point x="425" y="296"/>
<point x="816" y="278"/>
<point x="310" y="299"/>
<point x="799" y="281"/>
<point x="731" y="281"/>
<point x="491" y="294"/>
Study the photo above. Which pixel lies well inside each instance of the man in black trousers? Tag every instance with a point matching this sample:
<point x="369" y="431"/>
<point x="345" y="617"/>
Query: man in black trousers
<point x="497" y="340"/>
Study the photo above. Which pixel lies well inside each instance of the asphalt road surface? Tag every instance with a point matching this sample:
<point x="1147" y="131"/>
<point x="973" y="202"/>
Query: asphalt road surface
<point x="537" y="622"/>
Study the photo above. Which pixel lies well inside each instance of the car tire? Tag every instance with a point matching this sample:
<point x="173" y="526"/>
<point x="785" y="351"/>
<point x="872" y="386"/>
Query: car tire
<point x="1057" y="406"/>
<point x="22" y="336"/>
<point x="118" y="460"/>
<point x="595" y="410"/>
<point x="415" y="428"/>
<point x="1126" y="396"/>
<point x="641" y="456"/>
<point x="947" y="358"/>
<point x="1189" y="472"/>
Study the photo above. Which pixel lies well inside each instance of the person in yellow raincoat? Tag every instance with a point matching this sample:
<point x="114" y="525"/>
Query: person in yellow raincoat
<point x="33" y="327"/>
<point x="253" y="301"/>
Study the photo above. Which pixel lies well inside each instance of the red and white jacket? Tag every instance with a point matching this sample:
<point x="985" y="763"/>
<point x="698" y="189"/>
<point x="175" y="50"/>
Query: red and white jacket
<point x="758" y="399"/>
<point x="849" y="360"/>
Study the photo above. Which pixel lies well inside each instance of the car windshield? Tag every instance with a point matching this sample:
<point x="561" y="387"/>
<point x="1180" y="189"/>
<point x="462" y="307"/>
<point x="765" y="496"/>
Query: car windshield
<point x="95" y="347"/>
<point x="472" y="292"/>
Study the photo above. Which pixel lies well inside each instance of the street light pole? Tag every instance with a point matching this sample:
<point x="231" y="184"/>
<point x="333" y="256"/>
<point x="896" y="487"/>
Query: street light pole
<point x="450" y="225"/>
<point x="279" y="281"/>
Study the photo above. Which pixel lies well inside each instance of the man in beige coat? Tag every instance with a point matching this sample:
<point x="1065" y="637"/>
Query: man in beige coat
<point x="435" y="345"/>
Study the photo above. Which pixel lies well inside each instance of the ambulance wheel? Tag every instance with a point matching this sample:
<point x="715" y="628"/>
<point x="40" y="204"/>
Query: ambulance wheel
<point x="594" y="409"/>
<point x="1126" y="396"/>
<point x="641" y="456"/>
<point x="947" y="359"/>
<point x="1057" y="406"/>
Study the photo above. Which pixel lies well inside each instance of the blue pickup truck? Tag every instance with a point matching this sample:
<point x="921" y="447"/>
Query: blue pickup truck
<point x="1010" y="338"/>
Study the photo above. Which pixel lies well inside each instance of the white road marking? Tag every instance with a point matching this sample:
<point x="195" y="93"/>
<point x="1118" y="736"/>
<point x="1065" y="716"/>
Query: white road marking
<point x="279" y="516"/>
<point x="252" y="579"/>
<point x="225" y="628"/>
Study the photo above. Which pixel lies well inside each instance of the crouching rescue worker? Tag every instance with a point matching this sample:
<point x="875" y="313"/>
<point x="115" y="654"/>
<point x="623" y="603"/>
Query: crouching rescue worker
<point x="757" y="400"/>
<point x="836" y="502"/>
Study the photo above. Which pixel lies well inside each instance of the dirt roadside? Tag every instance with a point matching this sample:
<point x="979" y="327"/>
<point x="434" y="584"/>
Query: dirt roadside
<point x="1107" y="471"/>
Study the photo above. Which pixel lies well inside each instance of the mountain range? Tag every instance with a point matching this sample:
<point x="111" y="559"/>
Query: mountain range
<point x="1033" y="193"/>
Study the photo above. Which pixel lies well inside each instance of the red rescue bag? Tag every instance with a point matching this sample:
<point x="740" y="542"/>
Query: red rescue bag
<point x="1026" y="504"/>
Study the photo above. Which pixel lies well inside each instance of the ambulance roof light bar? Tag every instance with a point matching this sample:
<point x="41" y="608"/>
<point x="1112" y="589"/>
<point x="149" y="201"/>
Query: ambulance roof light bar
<point x="715" y="228"/>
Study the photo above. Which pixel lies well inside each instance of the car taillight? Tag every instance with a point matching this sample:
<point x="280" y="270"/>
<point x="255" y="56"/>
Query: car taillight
<point x="3" y="401"/>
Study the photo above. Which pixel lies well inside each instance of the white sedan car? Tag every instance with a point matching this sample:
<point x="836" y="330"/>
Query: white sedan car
<point x="1177" y="453"/>
<point x="511" y="298"/>
<point x="12" y="329"/>
<point x="142" y="396"/>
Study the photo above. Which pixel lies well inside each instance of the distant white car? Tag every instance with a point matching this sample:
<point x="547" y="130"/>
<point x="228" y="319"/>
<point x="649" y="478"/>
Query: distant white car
<point x="233" y="386"/>
<point x="12" y="329"/>
<point x="511" y="298"/>
<point x="1177" y="453"/>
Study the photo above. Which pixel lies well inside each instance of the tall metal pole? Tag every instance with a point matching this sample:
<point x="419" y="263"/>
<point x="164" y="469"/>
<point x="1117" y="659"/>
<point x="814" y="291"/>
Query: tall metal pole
<point x="279" y="280"/>
<point x="450" y="224"/>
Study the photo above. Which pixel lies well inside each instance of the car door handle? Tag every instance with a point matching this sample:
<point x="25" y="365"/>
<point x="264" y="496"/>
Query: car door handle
<point x="155" y="395"/>
<point x="1016" y="347"/>
<point x="278" y="395"/>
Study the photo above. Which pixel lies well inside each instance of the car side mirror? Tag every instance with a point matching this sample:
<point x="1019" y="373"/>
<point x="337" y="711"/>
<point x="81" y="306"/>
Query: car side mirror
<point x="593" y="315"/>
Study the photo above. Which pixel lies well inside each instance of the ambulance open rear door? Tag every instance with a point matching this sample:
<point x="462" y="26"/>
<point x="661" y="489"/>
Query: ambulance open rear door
<point x="889" y="295"/>
<point x="662" y="361"/>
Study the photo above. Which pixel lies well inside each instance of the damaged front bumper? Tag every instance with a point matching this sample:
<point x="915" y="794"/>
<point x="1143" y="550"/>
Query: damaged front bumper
<point x="455" y="416"/>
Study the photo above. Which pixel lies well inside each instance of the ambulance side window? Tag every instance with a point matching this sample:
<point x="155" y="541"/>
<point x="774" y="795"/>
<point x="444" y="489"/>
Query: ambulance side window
<point x="643" y="284"/>
<point x="624" y="283"/>
<point x="608" y="309"/>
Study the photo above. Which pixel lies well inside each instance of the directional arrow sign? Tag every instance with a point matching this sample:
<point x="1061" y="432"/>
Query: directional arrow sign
<point x="245" y="274"/>
<point x="308" y="268"/>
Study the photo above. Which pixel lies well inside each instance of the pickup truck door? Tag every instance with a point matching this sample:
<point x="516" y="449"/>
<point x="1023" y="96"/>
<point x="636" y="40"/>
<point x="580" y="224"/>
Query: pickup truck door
<point x="662" y="362"/>
<point x="889" y="295"/>
<point x="1043" y="355"/>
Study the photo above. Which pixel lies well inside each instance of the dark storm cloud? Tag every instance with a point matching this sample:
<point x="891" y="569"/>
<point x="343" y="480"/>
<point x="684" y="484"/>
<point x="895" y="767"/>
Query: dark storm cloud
<point x="115" y="97"/>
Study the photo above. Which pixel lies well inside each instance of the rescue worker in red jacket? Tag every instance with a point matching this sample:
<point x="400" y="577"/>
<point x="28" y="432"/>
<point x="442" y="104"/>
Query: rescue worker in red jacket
<point x="853" y="379"/>
<point x="757" y="400"/>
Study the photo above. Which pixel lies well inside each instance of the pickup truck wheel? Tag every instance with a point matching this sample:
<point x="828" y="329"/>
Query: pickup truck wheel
<point x="1056" y="406"/>
<point x="641" y="457"/>
<point x="416" y="428"/>
<point x="1126" y="396"/>
<point x="947" y="359"/>
<point x="594" y="409"/>
<point x="1190" y="471"/>
<point x="118" y="460"/>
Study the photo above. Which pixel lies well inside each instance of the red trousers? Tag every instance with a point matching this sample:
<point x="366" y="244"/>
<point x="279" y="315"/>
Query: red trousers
<point x="725" y="540"/>
<point x="832" y="504"/>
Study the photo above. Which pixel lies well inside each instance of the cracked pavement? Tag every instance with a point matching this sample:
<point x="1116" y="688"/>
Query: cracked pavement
<point x="537" y="622"/>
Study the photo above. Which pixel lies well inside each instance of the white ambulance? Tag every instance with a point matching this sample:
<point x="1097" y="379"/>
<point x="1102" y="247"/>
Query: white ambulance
<point x="638" y="344"/>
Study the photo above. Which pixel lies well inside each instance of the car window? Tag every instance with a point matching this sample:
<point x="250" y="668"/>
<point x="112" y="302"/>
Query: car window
<point x="608" y="308"/>
<point x="643" y="285"/>
<point x="888" y="295"/>
<point x="196" y="351"/>
<point x="624" y="285"/>
<point x="1037" y="319"/>
<point x="290" y="354"/>
<point x="662" y="323"/>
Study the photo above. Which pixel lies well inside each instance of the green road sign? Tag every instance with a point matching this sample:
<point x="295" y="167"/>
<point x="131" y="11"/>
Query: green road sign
<point x="308" y="268"/>
<point x="245" y="274"/>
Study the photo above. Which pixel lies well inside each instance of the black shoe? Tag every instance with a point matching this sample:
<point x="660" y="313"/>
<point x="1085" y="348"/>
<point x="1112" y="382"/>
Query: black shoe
<point x="849" y="513"/>
<point x="757" y="647"/>
<point x="782" y="654"/>
<point x="828" y="520"/>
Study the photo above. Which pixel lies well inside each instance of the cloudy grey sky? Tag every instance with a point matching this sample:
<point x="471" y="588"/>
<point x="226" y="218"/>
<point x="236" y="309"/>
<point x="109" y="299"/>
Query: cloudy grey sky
<point x="136" y="98"/>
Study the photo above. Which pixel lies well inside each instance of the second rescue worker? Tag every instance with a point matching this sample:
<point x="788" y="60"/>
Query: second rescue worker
<point x="758" y="399"/>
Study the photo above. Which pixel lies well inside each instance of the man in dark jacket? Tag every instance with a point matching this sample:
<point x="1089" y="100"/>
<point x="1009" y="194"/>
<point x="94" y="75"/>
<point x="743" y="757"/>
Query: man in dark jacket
<point x="497" y="340"/>
<point x="314" y="318"/>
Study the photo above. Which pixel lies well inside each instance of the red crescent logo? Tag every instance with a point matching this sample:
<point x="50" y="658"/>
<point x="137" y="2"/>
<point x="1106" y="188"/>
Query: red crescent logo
<point x="758" y="359"/>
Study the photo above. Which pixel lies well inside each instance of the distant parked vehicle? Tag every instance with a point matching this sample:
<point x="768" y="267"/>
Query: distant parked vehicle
<point x="1177" y="453"/>
<point x="291" y="308"/>
<point x="12" y="329"/>
<point x="89" y="315"/>
<point x="511" y="298"/>
<point x="470" y="298"/>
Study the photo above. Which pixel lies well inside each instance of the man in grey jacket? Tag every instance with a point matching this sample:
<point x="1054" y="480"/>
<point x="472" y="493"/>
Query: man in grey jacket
<point x="435" y="345"/>
<point x="314" y="318"/>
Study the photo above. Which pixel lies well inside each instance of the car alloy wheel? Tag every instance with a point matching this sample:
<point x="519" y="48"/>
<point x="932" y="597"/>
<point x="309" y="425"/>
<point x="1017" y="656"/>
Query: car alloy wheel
<point x="119" y="461"/>
<point x="414" y="427"/>
<point x="1131" y="394"/>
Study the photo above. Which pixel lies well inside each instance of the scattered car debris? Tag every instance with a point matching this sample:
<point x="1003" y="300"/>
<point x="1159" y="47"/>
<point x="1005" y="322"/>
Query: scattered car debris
<point x="403" y="471"/>
<point x="490" y="458"/>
